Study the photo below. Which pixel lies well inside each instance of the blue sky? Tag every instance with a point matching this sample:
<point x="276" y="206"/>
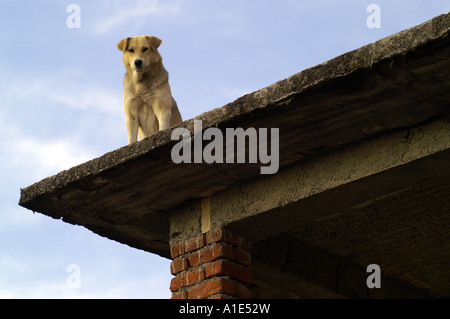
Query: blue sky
<point x="61" y="105"/>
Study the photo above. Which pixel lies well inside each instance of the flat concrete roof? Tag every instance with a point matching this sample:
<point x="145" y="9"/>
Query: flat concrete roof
<point x="397" y="84"/>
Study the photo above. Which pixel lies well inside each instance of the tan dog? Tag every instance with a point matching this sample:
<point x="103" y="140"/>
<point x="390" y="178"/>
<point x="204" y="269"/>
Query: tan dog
<point x="149" y="105"/>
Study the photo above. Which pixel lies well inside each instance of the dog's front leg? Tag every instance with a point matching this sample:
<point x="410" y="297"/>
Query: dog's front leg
<point x="132" y="119"/>
<point x="132" y="129"/>
<point x="164" y="119"/>
<point x="163" y="111"/>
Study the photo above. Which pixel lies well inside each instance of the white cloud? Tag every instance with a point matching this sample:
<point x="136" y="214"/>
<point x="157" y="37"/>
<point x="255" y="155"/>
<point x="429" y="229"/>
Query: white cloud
<point x="29" y="158"/>
<point x="135" y="12"/>
<point x="48" y="157"/>
<point x="70" y="94"/>
<point x="88" y="97"/>
<point x="26" y="160"/>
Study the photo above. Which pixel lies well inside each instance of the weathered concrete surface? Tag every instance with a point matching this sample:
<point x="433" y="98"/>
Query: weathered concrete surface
<point x="362" y="136"/>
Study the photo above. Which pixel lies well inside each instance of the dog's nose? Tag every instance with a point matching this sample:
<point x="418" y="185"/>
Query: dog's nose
<point x="138" y="63"/>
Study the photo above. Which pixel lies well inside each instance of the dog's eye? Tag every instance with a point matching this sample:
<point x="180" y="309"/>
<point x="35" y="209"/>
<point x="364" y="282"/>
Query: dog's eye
<point x="131" y="50"/>
<point x="144" y="49"/>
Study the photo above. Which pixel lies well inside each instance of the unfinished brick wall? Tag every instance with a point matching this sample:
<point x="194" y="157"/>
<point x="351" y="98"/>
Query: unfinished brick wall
<point x="211" y="265"/>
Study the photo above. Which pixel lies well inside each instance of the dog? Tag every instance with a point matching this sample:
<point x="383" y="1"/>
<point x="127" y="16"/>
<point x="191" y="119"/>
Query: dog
<point x="148" y="102"/>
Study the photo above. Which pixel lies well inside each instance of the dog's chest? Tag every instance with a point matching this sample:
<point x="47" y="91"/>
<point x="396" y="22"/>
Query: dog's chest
<point x="140" y="89"/>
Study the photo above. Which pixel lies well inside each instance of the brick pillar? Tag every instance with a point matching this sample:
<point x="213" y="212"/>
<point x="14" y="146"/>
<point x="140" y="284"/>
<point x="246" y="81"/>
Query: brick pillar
<point x="212" y="265"/>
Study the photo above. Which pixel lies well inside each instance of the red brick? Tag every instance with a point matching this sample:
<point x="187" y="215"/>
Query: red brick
<point x="194" y="277"/>
<point x="214" y="235"/>
<point x="176" y="283"/>
<point x="206" y="254"/>
<point x="245" y="245"/>
<point x="180" y="295"/>
<point x="243" y="257"/>
<point x="215" y="251"/>
<point x="178" y="265"/>
<point x="194" y="243"/>
<point x="231" y="238"/>
<point x="194" y="259"/>
<point x="212" y="287"/>
<point x="226" y="268"/>
<point x="214" y="265"/>
<point x="226" y="251"/>
<point x="222" y="235"/>
<point x="177" y="249"/>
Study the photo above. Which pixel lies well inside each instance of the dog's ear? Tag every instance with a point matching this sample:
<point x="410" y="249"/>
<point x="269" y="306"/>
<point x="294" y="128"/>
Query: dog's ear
<point x="155" y="42"/>
<point x="122" y="45"/>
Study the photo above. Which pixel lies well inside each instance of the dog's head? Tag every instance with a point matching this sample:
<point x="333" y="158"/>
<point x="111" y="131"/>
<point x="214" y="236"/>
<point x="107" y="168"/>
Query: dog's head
<point x="140" y="52"/>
